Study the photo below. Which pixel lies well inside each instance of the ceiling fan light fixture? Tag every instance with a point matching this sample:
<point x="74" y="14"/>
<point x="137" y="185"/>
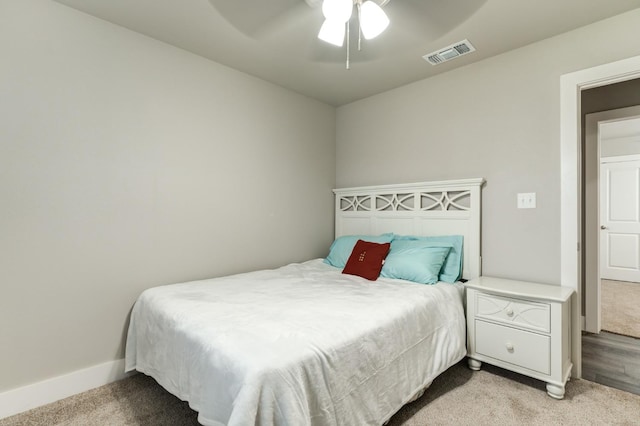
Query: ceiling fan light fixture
<point x="332" y="32"/>
<point x="337" y="10"/>
<point x="373" y="20"/>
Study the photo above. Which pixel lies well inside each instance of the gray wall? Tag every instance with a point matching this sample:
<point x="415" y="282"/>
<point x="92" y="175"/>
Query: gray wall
<point x="126" y="163"/>
<point x="617" y="140"/>
<point x="498" y="119"/>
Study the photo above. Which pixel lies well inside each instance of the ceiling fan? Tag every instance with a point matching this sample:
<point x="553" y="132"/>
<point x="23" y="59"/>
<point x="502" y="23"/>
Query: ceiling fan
<point x="278" y="23"/>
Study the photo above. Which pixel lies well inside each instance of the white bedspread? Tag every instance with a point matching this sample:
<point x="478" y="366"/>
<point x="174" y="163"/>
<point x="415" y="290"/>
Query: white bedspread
<point x="299" y="345"/>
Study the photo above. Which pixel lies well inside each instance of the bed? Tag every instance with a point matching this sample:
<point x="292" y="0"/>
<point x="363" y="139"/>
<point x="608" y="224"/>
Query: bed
<point x="306" y="344"/>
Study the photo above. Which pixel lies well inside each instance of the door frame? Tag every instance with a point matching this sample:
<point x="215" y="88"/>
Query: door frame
<point x="571" y="85"/>
<point x="592" y="314"/>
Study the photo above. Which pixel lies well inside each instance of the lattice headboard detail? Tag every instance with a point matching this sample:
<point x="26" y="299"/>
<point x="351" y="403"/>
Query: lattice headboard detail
<point x="426" y="208"/>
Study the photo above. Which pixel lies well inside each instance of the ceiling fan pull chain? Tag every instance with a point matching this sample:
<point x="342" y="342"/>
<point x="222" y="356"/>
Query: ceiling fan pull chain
<point x="359" y="28"/>
<point x="348" y="44"/>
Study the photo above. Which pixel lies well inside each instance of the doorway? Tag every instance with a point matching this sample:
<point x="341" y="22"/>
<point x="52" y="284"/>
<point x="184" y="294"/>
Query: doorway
<point x="611" y="255"/>
<point x="620" y="240"/>
<point x="571" y="87"/>
<point x="611" y="234"/>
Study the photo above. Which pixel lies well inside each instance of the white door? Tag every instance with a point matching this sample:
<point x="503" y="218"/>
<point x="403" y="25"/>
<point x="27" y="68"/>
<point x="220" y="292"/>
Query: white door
<point x="620" y="220"/>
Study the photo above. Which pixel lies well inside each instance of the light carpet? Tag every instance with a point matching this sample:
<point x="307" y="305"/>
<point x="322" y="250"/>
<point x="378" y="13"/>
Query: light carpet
<point x="620" y="304"/>
<point x="458" y="397"/>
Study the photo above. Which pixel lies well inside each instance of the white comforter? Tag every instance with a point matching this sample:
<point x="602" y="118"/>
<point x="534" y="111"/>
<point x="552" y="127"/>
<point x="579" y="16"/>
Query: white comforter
<point x="299" y="345"/>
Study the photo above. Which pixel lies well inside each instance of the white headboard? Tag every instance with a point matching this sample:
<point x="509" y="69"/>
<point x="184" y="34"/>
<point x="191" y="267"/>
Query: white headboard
<point x="426" y="208"/>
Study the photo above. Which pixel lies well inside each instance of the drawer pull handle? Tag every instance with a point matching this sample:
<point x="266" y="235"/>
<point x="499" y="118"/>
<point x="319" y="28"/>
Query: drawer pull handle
<point x="509" y="346"/>
<point x="510" y="312"/>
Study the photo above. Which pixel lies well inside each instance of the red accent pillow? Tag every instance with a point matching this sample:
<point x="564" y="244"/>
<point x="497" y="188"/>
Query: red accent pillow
<point x="366" y="259"/>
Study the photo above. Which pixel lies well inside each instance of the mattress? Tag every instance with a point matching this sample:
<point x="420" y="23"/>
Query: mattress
<point x="299" y="345"/>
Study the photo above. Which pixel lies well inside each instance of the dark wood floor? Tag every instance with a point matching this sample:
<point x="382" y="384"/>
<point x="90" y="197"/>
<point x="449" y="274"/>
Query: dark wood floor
<point x="612" y="360"/>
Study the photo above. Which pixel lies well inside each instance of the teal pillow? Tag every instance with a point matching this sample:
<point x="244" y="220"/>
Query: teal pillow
<point x="452" y="269"/>
<point x="420" y="264"/>
<point x="343" y="246"/>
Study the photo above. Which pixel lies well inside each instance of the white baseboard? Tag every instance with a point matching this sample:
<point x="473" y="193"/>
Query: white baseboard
<point x="31" y="396"/>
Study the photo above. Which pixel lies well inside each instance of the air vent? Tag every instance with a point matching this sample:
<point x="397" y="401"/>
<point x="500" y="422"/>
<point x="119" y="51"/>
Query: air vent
<point x="450" y="52"/>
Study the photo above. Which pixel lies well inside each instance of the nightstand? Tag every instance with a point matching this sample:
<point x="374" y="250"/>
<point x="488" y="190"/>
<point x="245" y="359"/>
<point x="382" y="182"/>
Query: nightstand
<point x="521" y="326"/>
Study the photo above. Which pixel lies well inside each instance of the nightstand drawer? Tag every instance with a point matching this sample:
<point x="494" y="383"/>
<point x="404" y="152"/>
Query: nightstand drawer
<point x="530" y="315"/>
<point x="518" y="347"/>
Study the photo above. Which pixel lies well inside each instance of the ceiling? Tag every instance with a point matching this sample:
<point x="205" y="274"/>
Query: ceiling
<point x="276" y="40"/>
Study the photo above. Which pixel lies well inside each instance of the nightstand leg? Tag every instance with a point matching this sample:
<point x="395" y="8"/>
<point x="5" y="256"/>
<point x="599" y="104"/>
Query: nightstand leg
<point x="555" y="391"/>
<point x="475" y="364"/>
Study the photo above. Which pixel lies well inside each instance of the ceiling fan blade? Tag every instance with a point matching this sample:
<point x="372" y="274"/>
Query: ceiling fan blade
<point x="255" y="18"/>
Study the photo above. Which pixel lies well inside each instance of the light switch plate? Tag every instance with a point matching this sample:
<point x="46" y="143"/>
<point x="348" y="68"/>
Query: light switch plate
<point x="527" y="200"/>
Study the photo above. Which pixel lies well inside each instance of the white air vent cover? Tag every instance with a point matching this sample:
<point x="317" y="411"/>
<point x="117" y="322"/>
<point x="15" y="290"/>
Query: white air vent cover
<point x="450" y="52"/>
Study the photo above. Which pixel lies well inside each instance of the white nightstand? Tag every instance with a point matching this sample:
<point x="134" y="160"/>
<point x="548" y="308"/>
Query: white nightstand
<point x="521" y="326"/>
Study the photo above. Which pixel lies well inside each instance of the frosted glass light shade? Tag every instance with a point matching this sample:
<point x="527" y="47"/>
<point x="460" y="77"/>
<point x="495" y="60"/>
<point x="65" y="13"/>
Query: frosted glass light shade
<point x="332" y="32"/>
<point x="373" y="20"/>
<point x="337" y="10"/>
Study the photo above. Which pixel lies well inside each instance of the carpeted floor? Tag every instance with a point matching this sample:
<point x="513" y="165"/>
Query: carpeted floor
<point x="620" y="304"/>
<point x="458" y="397"/>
